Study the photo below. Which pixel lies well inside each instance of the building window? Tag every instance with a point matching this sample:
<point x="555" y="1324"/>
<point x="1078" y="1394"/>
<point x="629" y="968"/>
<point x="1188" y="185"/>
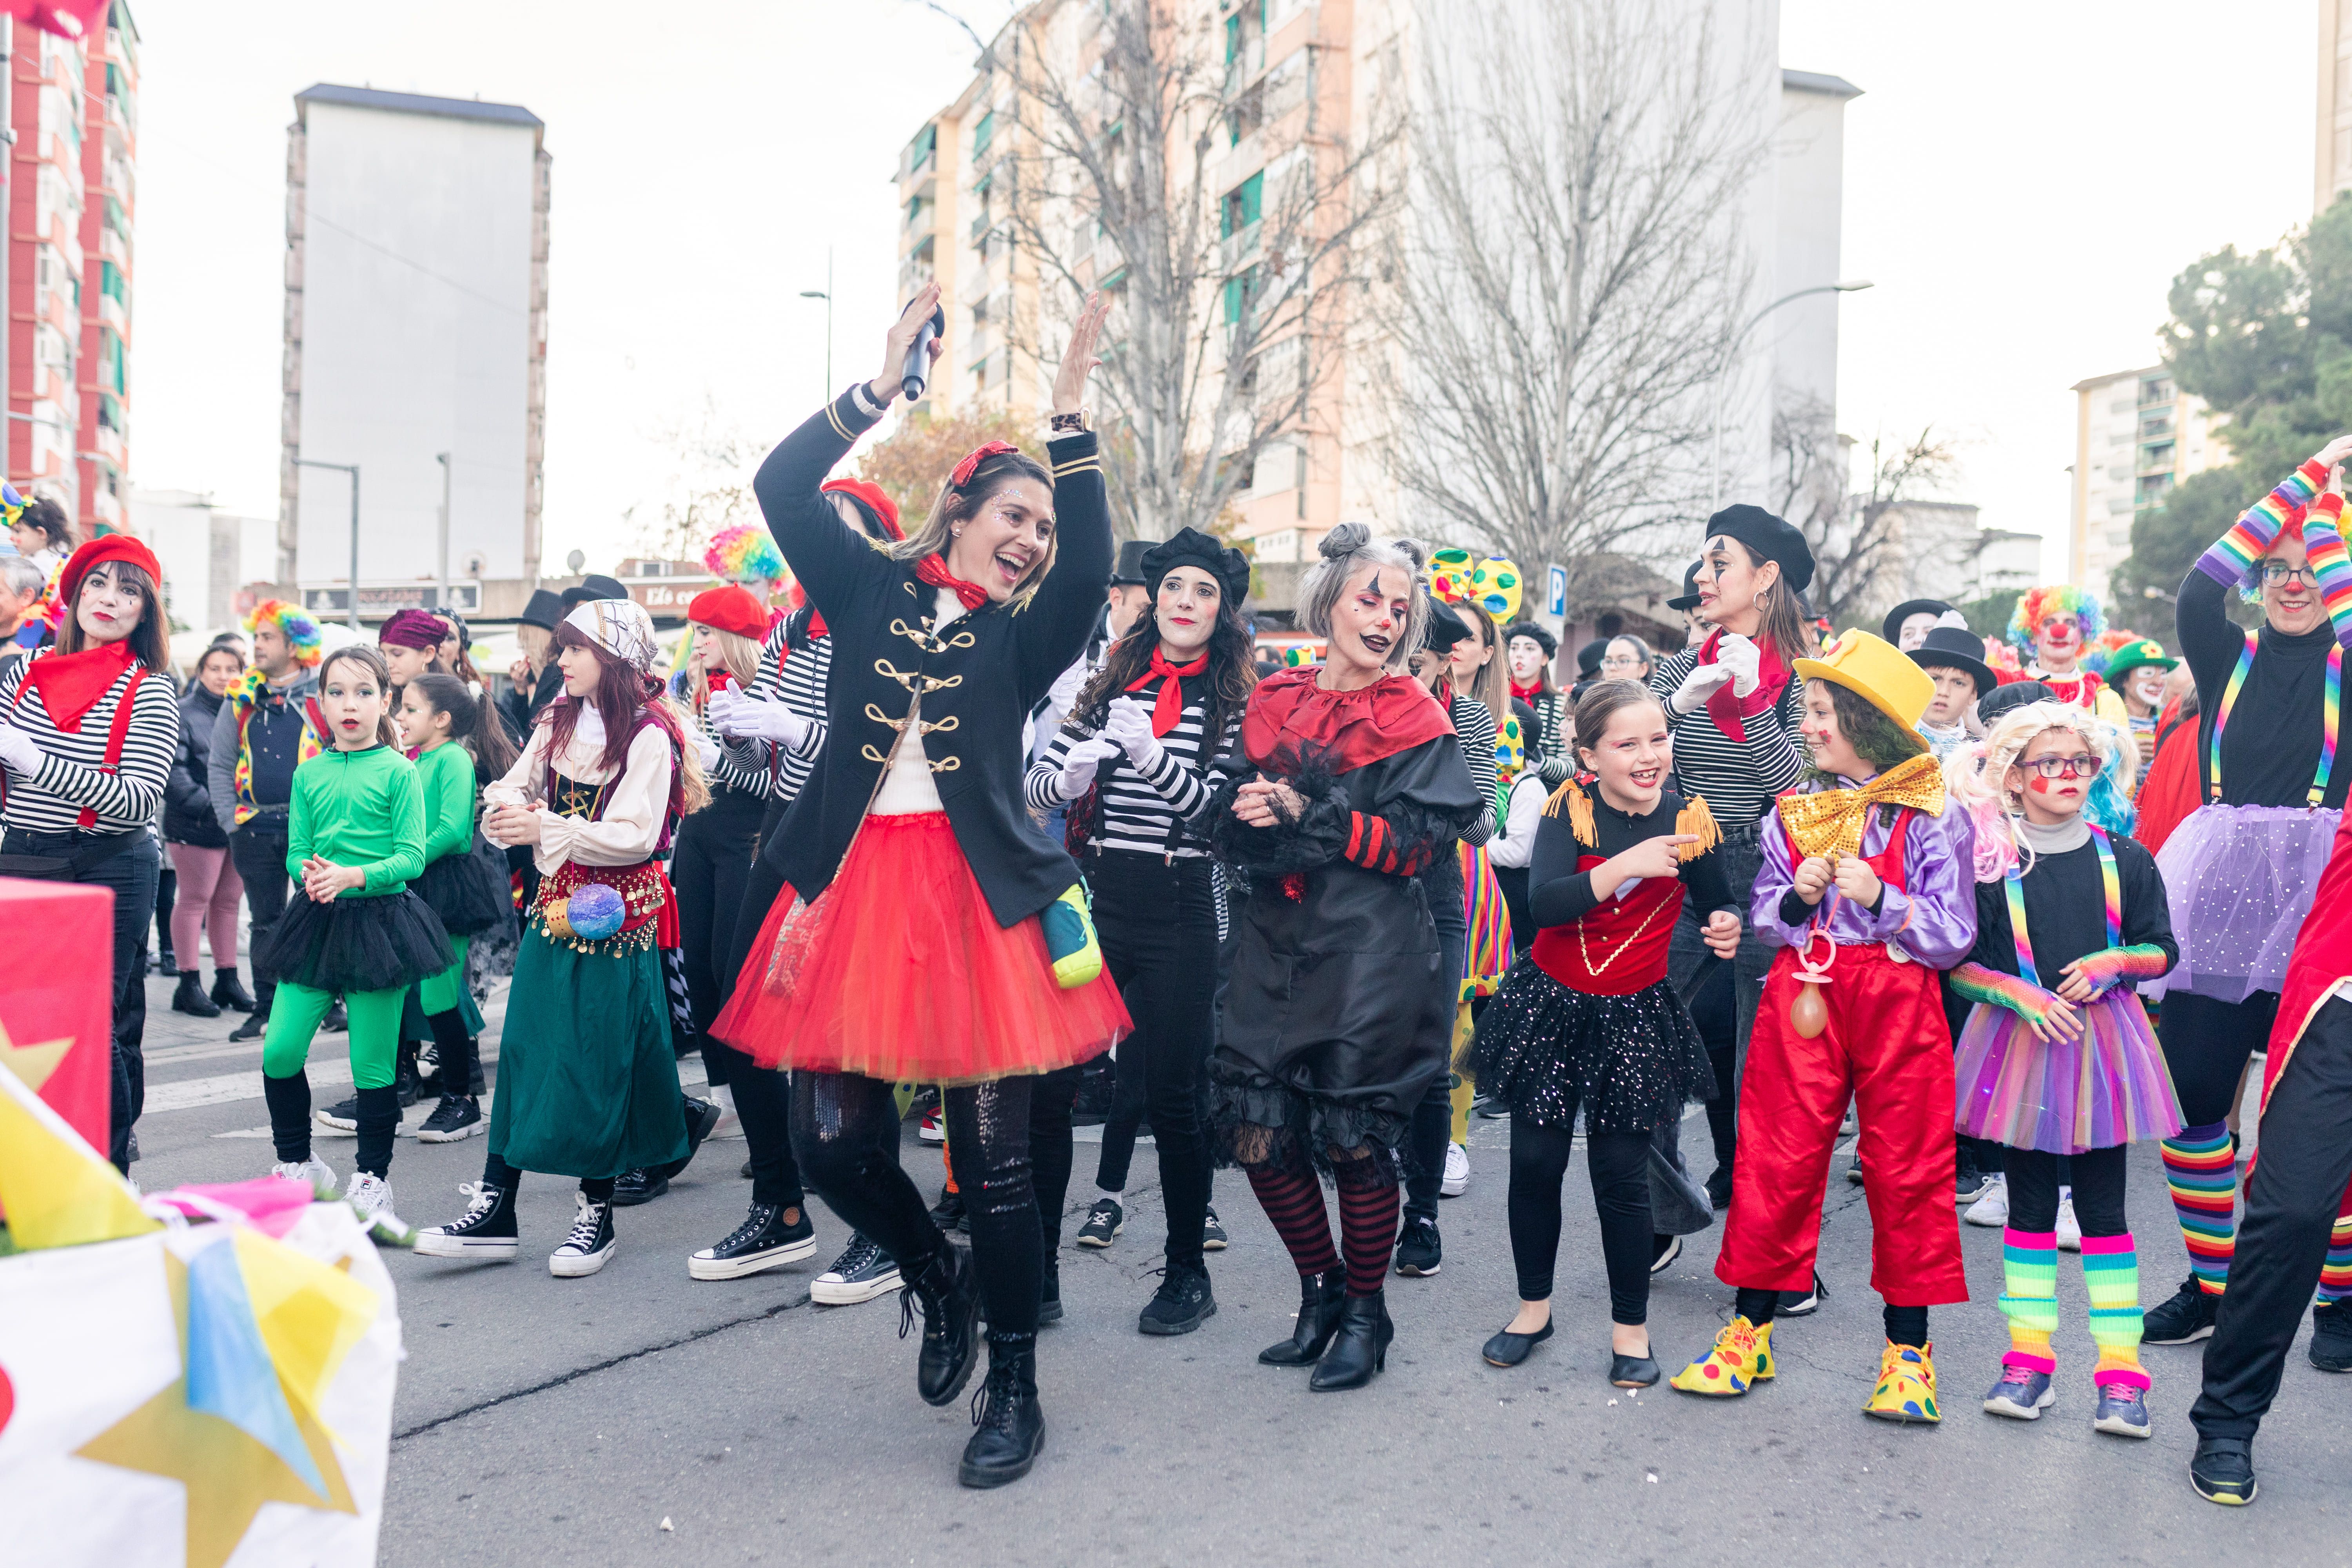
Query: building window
<point x="919" y="152"/>
<point x="109" y="361"/>
<point x="1242" y="203"/>
<point x="2154" y="389"/>
<point x="110" y="284"/>
<point x="1240" y="293"/>
<point x="983" y="133"/>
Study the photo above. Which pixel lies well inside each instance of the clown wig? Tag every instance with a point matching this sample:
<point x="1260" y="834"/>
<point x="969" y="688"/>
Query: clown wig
<point x="2036" y="605"/>
<point x="1977" y="776"/>
<point x="301" y="632"/>
<point x="743" y="553"/>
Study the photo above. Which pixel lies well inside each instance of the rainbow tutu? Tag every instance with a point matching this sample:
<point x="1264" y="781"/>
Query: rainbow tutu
<point x="2064" y="1097"/>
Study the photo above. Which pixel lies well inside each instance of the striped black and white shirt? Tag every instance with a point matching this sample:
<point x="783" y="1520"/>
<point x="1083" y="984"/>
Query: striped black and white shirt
<point x="1144" y="813"/>
<point x="52" y="800"/>
<point x="1739" y="779"/>
<point x="1474" y="726"/>
<point x="794" y="676"/>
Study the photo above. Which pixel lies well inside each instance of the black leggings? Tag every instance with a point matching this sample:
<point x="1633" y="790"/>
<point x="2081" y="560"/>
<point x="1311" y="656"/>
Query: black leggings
<point x="2205" y="1047"/>
<point x="498" y="1173"/>
<point x="763" y="1098"/>
<point x="1432" y="1127"/>
<point x="2097" y="1178"/>
<point x="845" y="1134"/>
<point x="710" y="868"/>
<point x="1619" y="1162"/>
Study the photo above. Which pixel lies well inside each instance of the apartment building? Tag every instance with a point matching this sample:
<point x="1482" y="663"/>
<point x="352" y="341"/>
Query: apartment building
<point x="2137" y="435"/>
<point x="109" y="153"/>
<point x="2332" y="162"/>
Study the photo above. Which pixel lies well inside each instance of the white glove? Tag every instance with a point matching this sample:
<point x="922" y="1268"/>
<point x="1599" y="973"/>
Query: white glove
<point x="1739" y="656"/>
<point x="708" y="749"/>
<point x="1079" y="762"/>
<point x="741" y="718"/>
<point x="1697" y="687"/>
<point x="1129" y="723"/>
<point x="19" y="753"/>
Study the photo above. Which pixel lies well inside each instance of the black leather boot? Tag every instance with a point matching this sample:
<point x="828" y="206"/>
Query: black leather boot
<point x="1320" y="1299"/>
<point x="950" y="1298"/>
<point x="1010" y="1429"/>
<point x="1360" y="1349"/>
<point x="229" y="992"/>
<point x="190" y="997"/>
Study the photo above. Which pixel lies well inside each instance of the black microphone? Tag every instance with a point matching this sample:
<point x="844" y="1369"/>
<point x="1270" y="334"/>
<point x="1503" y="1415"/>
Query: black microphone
<point x="918" y="368"/>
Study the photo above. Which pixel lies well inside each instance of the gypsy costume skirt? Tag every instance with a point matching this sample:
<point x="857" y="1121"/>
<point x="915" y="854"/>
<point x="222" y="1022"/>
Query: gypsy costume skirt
<point x="899" y="971"/>
<point x="1630" y="1063"/>
<point x="2240" y="880"/>
<point x="2064" y="1097"/>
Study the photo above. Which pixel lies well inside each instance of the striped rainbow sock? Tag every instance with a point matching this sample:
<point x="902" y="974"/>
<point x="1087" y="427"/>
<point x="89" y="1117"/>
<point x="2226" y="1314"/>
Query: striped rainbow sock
<point x="2110" y="1270"/>
<point x="2029" y="1267"/>
<point x="2336" y="1274"/>
<point x="2203" y="1174"/>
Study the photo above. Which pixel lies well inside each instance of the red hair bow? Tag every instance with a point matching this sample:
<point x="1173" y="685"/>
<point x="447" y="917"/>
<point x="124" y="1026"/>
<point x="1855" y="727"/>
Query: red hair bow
<point x="985" y="450"/>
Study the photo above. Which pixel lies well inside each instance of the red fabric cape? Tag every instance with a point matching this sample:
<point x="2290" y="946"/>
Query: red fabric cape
<point x="71" y="683"/>
<point x="2322" y="955"/>
<point x="2168" y="793"/>
<point x="1291" y="719"/>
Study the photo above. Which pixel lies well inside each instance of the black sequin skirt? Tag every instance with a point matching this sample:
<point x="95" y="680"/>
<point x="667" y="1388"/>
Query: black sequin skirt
<point x="469" y="890"/>
<point x="382" y="942"/>
<point x="1630" y="1063"/>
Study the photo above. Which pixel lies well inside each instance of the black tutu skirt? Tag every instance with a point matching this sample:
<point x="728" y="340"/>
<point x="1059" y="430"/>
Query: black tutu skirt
<point x="1630" y="1063"/>
<point x="384" y="942"/>
<point x="470" y="891"/>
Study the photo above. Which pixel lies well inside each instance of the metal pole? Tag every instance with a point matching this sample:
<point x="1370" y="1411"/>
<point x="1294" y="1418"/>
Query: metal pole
<point x="352" y="619"/>
<point x="828" y="321"/>
<point x="442" y="604"/>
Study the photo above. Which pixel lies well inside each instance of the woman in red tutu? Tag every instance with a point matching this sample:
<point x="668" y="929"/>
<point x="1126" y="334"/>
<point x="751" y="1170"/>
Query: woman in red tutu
<point x="929" y="931"/>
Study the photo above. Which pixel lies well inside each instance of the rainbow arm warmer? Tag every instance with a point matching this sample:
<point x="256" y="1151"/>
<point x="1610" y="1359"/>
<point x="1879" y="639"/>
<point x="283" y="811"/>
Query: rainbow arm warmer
<point x="1994" y="989"/>
<point x="2235" y="553"/>
<point x="2113" y="966"/>
<point x="2323" y="543"/>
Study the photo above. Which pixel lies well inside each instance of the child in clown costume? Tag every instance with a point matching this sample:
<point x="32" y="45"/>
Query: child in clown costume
<point x="2053" y="626"/>
<point x="1866" y="885"/>
<point x="747" y="556"/>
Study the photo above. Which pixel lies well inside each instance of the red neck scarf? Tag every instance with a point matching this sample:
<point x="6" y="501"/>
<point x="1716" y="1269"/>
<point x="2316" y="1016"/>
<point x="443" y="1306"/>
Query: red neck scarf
<point x="1169" y="707"/>
<point x="1292" y="722"/>
<point x="933" y="569"/>
<point x="1729" y="710"/>
<point x="71" y="683"/>
<point x="1530" y="695"/>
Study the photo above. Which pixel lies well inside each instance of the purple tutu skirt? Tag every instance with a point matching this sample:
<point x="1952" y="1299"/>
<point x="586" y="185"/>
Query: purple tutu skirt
<point x="2239" y="878"/>
<point x="2064" y="1097"/>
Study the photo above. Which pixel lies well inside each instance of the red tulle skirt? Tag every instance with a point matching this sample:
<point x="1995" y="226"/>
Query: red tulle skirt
<point x="900" y="971"/>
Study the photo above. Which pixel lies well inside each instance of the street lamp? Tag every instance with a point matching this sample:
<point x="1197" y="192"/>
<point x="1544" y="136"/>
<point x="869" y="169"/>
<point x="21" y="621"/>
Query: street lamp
<point x="442" y="603"/>
<point x="826" y="294"/>
<point x="1851" y="286"/>
<point x="352" y="620"/>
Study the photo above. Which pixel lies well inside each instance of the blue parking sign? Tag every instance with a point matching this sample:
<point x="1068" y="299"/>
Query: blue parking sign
<point x="1556" y="590"/>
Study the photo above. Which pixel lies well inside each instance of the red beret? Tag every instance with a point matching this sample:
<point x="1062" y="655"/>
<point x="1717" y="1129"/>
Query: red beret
<point x="107" y="547"/>
<point x="729" y="609"/>
<point x="875" y="501"/>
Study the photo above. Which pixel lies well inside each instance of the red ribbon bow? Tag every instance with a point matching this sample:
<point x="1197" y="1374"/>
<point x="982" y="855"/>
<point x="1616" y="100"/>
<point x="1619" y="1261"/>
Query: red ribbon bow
<point x="933" y="569"/>
<point x="979" y="454"/>
<point x="1169" y="707"/>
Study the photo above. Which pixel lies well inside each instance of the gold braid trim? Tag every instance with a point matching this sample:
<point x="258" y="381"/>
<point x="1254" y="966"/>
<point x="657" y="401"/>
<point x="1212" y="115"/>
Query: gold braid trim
<point x="1830" y="822"/>
<point x="1694" y="818"/>
<point x="1579" y="812"/>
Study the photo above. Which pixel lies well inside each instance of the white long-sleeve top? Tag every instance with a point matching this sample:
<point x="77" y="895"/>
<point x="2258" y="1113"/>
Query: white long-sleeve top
<point x="631" y="826"/>
<point x="1515" y="846"/>
<point x="908" y="787"/>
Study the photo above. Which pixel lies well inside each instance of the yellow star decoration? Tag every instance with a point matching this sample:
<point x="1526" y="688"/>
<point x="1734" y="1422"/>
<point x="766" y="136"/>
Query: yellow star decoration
<point x="33" y="1064"/>
<point x="229" y="1474"/>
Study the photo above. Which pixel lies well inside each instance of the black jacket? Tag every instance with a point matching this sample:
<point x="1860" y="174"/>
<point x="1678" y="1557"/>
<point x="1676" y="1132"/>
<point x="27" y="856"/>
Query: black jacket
<point x="520" y="707"/>
<point x="978" y="683"/>
<point x="187" y="801"/>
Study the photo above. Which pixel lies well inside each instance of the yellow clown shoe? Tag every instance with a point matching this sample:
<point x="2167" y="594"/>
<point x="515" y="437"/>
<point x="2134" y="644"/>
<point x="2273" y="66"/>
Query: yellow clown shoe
<point x="1907" y="1385"/>
<point x="1742" y="1355"/>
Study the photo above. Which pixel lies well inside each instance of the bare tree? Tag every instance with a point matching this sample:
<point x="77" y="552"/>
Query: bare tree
<point x="1869" y="548"/>
<point x="1571" y="270"/>
<point x="709" y="488"/>
<point x="1217" y="201"/>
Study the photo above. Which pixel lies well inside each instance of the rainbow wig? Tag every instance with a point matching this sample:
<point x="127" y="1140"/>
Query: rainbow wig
<point x="745" y="552"/>
<point x="293" y="623"/>
<point x="2038" y="605"/>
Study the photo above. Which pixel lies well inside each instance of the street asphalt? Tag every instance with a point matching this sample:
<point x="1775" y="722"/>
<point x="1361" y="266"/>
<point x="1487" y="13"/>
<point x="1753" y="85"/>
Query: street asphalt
<point x="638" y="1416"/>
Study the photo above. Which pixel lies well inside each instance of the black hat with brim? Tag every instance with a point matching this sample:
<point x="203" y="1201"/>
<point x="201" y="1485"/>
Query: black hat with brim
<point x="545" y="609"/>
<point x="1446" y="628"/>
<point x="1771" y="538"/>
<point x="1543" y="638"/>
<point x="1688" y="598"/>
<point x="1991" y="705"/>
<point x="1190" y="547"/>
<point x="1589" y="657"/>
<point x="1956" y="648"/>
<point x="595" y="586"/>
<point x="1891" y="630"/>
<point x="1129" y="572"/>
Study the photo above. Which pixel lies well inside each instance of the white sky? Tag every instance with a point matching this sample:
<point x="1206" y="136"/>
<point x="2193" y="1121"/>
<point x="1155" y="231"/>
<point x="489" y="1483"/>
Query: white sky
<point x="2022" y="180"/>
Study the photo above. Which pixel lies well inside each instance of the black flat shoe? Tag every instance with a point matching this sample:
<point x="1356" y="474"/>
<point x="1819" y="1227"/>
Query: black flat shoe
<point x="1631" y="1371"/>
<point x="1508" y="1348"/>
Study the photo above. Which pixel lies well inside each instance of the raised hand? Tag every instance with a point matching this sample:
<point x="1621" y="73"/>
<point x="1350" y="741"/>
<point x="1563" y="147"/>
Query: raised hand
<point x="1078" y="356"/>
<point x="2336" y="451"/>
<point x="900" y="338"/>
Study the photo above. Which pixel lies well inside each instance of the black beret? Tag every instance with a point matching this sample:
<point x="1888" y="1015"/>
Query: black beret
<point x="1445" y="627"/>
<point x="1129" y="572"/>
<point x="1770" y="538"/>
<point x="1991" y="705"/>
<point x="1688" y="598"/>
<point x="1956" y="647"/>
<point x="1190" y="547"/>
<point x="1549" y="643"/>
<point x="545" y="609"/>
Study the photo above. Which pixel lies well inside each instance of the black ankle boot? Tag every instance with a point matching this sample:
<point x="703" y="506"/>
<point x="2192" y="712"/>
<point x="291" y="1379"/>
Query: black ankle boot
<point x="404" y="1084"/>
<point x="190" y="997"/>
<point x="1320" y="1299"/>
<point x="1360" y="1349"/>
<point x="229" y="992"/>
<point x="950" y="1298"/>
<point x="1010" y="1429"/>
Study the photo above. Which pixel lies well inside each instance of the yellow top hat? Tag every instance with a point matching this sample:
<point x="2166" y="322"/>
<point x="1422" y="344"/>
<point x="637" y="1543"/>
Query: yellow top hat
<point x="1868" y="664"/>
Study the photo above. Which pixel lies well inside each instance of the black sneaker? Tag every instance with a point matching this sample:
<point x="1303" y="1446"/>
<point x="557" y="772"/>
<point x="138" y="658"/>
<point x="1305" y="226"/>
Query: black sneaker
<point x="2224" y="1470"/>
<point x="1417" y="1250"/>
<point x="2331" y="1336"/>
<point x="637" y="1186"/>
<point x="487" y="1233"/>
<point x="1182" y="1304"/>
<point x="1663" y="1250"/>
<point x="1854" y="1172"/>
<point x="1968" y="1185"/>
<point x="2187" y="1318"/>
<point x="1492" y="1107"/>
<point x="703" y="1118"/>
<point x="947" y="1213"/>
<point x="590" y="1244"/>
<point x="861" y="1273"/>
<point x="1104" y="1221"/>
<point x="457" y="1115"/>
<point x="340" y="1118"/>
<point x="1718" y="1186"/>
<point x="256" y="1024"/>
<point x="337" y="1022"/>
<point x="763" y="1241"/>
<point x="190" y="997"/>
<point x="1213" y="1234"/>
<point x="1802" y="1303"/>
<point x="1049" y="1293"/>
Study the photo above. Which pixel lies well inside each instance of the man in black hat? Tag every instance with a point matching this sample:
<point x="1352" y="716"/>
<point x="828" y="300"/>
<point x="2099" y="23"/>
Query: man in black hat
<point x="1693" y="629"/>
<point x="1953" y="658"/>
<point x="1907" y="624"/>
<point x="1129" y="595"/>
<point x="595" y="586"/>
<point x="535" y="676"/>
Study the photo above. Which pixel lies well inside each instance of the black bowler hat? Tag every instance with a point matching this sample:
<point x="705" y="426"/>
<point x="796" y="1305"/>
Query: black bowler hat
<point x="1129" y="574"/>
<point x="1892" y="628"/>
<point x="545" y="609"/>
<point x="1991" y="705"/>
<point x="1589" y="657"/>
<point x="1190" y="547"/>
<point x="595" y="586"/>
<point x="1956" y="647"/>
<point x="1771" y="538"/>
<point x="1445" y="627"/>
<point x="1543" y="638"/>
<point x="1688" y="598"/>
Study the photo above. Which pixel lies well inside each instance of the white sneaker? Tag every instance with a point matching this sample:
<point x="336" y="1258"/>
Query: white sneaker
<point x="313" y="1171"/>
<point x="729" y="1125"/>
<point x="371" y="1198"/>
<point x="1456" y="1180"/>
<point x="589" y="1245"/>
<point x="2070" y="1232"/>
<point x="1992" y="1209"/>
<point x="931" y="1130"/>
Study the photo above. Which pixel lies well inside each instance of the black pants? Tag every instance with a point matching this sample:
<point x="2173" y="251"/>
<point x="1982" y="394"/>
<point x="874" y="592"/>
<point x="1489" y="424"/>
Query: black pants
<point x="1715" y="1010"/>
<point x="2291" y="1202"/>
<point x="845" y="1134"/>
<point x="764" y="1097"/>
<point x="1619" y="1165"/>
<point x="710" y="867"/>
<point x="259" y="849"/>
<point x="2205" y="1047"/>
<point x="2097" y="1178"/>
<point x="167" y="892"/>
<point x="1433" y="1119"/>
<point x="129" y="875"/>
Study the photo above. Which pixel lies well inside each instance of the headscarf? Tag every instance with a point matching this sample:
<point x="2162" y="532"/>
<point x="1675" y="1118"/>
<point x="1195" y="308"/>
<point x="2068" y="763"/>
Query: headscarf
<point x="621" y="627"/>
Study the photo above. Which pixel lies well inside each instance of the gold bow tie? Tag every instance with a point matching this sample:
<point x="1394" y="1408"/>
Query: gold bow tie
<point x="1830" y="822"/>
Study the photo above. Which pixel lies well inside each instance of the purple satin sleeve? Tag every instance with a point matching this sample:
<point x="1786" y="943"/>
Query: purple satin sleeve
<point x="1776" y="873"/>
<point x="1933" y="920"/>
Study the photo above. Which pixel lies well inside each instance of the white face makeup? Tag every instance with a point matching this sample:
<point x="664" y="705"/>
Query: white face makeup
<point x="1371" y="615"/>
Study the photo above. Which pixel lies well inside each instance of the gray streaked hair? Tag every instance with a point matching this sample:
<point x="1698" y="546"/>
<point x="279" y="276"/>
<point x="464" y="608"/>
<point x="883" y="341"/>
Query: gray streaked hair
<point x="1347" y="549"/>
<point x="24" y="576"/>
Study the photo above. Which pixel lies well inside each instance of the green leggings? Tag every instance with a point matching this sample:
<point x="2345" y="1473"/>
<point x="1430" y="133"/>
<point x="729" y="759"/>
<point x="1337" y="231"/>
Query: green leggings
<point x="296" y="1012"/>
<point x="439" y="993"/>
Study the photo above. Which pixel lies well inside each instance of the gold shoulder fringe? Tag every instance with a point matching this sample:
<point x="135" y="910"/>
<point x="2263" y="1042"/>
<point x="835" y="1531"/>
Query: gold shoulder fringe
<point x="1580" y="813"/>
<point x="1694" y="818"/>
